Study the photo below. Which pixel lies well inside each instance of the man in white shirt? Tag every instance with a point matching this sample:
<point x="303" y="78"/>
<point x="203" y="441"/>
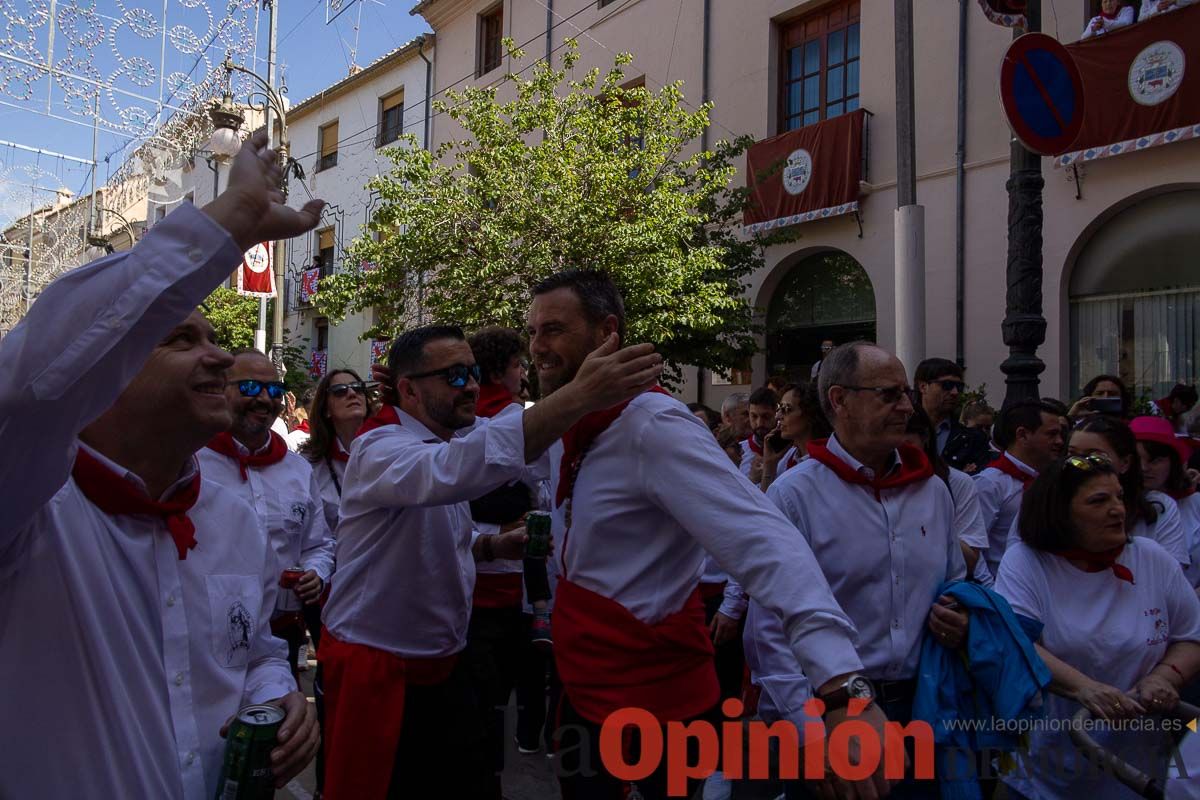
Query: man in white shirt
<point x="1031" y="433"/>
<point x="881" y="525"/>
<point x="735" y="412"/>
<point x="135" y="591"/>
<point x="255" y="463"/>
<point x="641" y="492"/>
<point x="401" y="711"/>
<point x="762" y="419"/>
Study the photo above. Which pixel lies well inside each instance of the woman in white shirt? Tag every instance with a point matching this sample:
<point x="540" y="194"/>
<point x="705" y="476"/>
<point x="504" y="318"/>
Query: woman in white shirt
<point x="1121" y="628"/>
<point x="1152" y="514"/>
<point x="1111" y="17"/>
<point x="339" y="407"/>
<point x="798" y="420"/>
<point x="1163" y="457"/>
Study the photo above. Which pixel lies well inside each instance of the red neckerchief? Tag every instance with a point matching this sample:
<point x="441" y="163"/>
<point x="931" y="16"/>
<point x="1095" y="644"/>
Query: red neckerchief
<point x="337" y="452"/>
<point x="303" y="426"/>
<point x="1098" y="562"/>
<point x="755" y="447"/>
<point x="112" y="494"/>
<point x="914" y="467"/>
<point x="1177" y="496"/>
<point x="493" y="398"/>
<point x="384" y="416"/>
<point x="1109" y="16"/>
<point x="223" y="443"/>
<point x="579" y="438"/>
<point x="1005" y="465"/>
<point x="1164" y="406"/>
<point x="793" y="459"/>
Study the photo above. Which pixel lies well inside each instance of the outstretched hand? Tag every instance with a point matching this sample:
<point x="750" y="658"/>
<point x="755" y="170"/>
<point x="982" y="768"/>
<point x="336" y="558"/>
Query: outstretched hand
<point x="253" y="208"/>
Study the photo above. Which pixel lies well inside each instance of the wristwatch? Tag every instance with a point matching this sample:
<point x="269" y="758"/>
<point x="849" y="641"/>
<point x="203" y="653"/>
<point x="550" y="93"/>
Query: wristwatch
<point x="855" y="686"/>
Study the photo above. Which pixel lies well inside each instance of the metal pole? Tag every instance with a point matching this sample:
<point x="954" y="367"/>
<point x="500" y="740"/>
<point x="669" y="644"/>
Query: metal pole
<point x="909" y="217"/>
<point x="278" y="257"/>
<point x="960" y="194"/>
<point x="91" y="226"/>
<point x="1024" y="327"/>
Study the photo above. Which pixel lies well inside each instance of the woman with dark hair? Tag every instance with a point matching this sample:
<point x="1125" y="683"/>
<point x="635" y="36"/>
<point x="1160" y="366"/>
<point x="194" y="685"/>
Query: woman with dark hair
<point x="339" y="406"/>
<point x="1101" y="395"/>
<point x="1163" y="458"/>
<point x="968" y="517"/>
<point x="798" y="421"/>
<point x="1149" y="513"/>
<point x="1121" y="627"/>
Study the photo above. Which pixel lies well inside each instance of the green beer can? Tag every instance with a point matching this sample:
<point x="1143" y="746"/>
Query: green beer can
<point x="537" y="528"/>
<point x="246" y="771"/>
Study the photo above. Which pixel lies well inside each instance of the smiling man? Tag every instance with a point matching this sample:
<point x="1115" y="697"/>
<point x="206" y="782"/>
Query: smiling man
<point x="254" y="463"/>
<point x="134" y="591"/>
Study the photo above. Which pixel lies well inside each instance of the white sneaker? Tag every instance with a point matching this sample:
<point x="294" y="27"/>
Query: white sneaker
<point x="302" y="658"/>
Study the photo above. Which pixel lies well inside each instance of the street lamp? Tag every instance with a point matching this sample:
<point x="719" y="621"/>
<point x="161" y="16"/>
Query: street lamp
<point x="227" y="121"/>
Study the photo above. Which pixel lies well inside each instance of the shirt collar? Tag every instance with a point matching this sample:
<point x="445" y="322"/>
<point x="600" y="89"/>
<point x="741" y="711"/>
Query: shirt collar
<point x="246" y="450"/>
<point x="189" y="471"/>
<point x="835" y="447"/>
<point x="1021" y="465"/>
<point x="415" y="426"/>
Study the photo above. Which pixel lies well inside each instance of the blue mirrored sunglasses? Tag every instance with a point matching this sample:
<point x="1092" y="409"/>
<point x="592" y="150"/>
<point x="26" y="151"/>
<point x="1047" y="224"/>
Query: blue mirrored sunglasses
<point x="456" y="375"/>
<point x="253" y="388"/>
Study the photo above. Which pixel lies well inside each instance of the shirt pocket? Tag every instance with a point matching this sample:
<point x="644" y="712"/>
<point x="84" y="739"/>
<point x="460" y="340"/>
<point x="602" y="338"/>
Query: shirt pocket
<point x="234" y="602"/>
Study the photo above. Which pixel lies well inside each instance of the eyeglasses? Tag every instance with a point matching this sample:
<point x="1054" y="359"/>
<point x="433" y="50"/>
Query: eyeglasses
<point x="253" y="388"/>
<point x="342" y="389"/>
<point x="1090" y="462"/>
<point x="457" y="375"/>
<point x="952" y="385"/>
<point x="888" y="394"/>
<point x="785" y="408"/>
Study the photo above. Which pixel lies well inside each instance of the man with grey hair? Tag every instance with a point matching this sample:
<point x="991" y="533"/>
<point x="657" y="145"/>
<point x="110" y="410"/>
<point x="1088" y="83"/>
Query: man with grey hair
<point x="735" y="412"/>
<point x="881" y="527"/>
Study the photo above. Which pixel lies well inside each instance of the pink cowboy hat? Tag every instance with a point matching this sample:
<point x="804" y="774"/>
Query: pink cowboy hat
<point x="1157" y="429"/>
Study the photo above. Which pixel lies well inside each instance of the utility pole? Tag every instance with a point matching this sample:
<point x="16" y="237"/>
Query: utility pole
<point x="277" y="256"/>
<point x="1024" y="327"/>
<point x="909" y="217"/>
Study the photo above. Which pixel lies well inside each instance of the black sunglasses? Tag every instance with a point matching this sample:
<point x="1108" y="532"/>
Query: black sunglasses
<point x="950" y="385"/>
<point x="457" y="375"/>
<point x="342" y="389"/>
<point x="253" y="388"/>
<point x="888" y="394"/>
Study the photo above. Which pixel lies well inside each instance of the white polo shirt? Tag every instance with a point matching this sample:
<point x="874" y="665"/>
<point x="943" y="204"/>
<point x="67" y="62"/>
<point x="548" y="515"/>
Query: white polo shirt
<point x="122" y="661"/>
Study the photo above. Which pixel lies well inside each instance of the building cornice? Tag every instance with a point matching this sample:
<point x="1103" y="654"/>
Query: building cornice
<point x="379" y="66"/>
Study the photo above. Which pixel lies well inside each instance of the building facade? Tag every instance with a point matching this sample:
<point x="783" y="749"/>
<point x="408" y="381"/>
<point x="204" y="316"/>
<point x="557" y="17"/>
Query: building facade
<point x="1121" y="287"/>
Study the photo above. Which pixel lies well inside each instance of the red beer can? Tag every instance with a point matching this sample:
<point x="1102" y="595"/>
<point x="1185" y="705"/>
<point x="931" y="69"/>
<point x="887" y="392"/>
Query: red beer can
<point x="288" y="600"/>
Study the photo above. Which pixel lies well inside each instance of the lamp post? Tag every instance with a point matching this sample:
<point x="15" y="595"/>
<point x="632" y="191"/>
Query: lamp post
<point x="98" y="240"/>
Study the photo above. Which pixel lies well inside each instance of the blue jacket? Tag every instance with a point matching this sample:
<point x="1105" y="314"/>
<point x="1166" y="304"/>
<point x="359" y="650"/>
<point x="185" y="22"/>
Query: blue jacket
<point x="1000" y="678"/>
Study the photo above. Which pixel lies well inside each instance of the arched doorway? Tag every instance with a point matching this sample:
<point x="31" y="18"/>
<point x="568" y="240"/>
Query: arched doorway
<point x="824" y="296"/>
<point x="1135" y="297"/>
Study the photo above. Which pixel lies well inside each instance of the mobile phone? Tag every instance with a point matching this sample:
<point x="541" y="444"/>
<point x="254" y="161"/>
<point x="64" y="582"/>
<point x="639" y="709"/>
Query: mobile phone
<point x="1105" y="405"/>
<point x="777" y="443"/>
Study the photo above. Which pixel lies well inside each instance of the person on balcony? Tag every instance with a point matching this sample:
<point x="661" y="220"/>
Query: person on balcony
<point x="1152" y="8"/>
<point x="1113" y="15"/>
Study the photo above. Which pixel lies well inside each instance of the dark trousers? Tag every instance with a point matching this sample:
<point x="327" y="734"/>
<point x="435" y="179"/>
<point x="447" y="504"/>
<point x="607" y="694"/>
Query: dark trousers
<point x="495" y="639"/>
<point x="443" y="745"/>
<point x="581" y="770"/>
<point x="729" y="659"/>
<point x="538" y="693"/>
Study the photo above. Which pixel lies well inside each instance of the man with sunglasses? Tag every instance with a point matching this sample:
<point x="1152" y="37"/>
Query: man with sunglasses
<point x="255" y="463"/>
<point x="880" y="524"/>
<point x="402" y="711"/>
<point x="134" y="591"/>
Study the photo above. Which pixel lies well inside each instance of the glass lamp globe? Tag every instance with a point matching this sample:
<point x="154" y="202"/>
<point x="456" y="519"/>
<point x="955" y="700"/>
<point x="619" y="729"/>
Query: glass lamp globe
<point x="225" y="142"/>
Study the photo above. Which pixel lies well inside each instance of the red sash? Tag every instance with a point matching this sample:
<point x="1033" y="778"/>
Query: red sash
<point x="498" y="590"/>
<point x="364" y="711"/>
<point x="608" y="659"/>
<point x="223" y="443"/>
<point x="1098" y="562"/>
<point x="112" y="494"/>
<point x="493" y="398"/>
<point x="1005" y="465"/>
<point x="384" y="416"/>
<point x="914" y="468"/>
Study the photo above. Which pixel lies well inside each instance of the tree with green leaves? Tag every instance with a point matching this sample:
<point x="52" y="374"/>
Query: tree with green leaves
<point x="233" y="316"/>
<point x="570" y="172"/>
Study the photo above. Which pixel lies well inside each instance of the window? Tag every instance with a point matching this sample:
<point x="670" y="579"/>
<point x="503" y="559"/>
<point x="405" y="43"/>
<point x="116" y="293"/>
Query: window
<point x="325" y="251"/>
<point x="321" y="329"/>
<point x="820" y="65"/>
<point x="487" y="49"/>
<point x="391" y="117"/>
<point x="327" y="143"/>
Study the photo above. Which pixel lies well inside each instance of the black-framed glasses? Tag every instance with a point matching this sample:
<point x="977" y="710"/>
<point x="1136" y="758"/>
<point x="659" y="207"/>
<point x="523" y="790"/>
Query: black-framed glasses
<point x="950" y="385"/>
<point x="456" y="375"/>
<point x="888" y="394"/>
<point x="342" y="389"/>
<point x="253" y="388"/>
<point x="1090" y="462"/>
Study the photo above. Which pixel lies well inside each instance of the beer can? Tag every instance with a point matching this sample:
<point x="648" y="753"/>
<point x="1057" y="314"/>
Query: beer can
<point x="246" y="771"/>
<point x="288" y="600"/>
<point x="537" y="528"/>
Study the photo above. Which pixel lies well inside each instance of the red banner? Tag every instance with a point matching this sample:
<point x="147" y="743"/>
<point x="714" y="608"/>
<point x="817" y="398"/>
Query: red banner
<point x="1136" y="94"/>
<point x="1009" y="13"/>
<point x="308" y="283"/>
<point x="255" y="278"/>
<point x="806" y="174"/>
<point x="318" y="364"/>
<point x="379" y="350"/>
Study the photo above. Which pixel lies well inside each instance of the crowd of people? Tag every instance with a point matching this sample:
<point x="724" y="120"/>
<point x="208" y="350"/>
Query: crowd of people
<point x="856" y="538"/>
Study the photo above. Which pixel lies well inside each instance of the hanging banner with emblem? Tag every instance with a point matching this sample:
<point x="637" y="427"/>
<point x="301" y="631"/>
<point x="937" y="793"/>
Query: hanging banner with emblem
<point x="1009" y="13"/>
<point x="806" y="174"/>
<point x="318" y="363"/>
<point x="1142" y="87"/>
<point x="308" y="283"/>
<point x="255" y="278"/>
<point x="379" y="350"/>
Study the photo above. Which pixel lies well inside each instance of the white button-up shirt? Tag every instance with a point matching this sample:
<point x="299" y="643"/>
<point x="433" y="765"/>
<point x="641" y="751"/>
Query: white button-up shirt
<point x="122" y="661"/>
<point x="287" y="499"/>
<point x="405" y="570"/>
<point x="655" y="492"/>
<point x="885" y="560"/>
<point x="1000" y="503"/>
<point x="324" y="472"/>
<point x="748" y="456"/>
